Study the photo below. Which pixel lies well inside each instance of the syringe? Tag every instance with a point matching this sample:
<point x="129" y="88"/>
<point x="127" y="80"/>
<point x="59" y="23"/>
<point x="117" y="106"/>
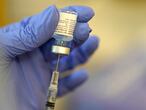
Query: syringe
<point x="53" y="88"/>
<point x="62" y="35"/>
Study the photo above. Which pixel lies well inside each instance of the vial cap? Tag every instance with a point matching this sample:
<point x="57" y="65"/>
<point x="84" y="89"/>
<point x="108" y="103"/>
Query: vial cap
<point x="60" y="50"/>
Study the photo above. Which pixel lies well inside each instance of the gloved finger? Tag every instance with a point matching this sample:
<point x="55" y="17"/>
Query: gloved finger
<point x="81" y="34"/>
<point x="10" y="27"/>
<point x="46" y="51"/>
<point x="84" y="13"/>
<point x="33" y="32"/>
<point x="80" y="55"/>
<point x="71" y="82"/>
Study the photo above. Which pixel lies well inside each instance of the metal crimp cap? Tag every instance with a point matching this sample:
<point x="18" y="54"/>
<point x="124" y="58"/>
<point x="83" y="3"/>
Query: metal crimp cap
<point x="60" y="50"/>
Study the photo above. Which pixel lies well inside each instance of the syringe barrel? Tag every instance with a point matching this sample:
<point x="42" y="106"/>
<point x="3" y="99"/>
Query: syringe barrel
<point x="52" y="91"/>
<point x="54" y="79"/>
<point x="50" y="105"/>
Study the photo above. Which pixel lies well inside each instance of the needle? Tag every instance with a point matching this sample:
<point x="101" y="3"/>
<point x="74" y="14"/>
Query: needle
<point x="57" y="64"/>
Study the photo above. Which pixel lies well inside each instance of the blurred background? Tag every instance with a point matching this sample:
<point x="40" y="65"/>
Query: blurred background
<point x="118" y="68"/>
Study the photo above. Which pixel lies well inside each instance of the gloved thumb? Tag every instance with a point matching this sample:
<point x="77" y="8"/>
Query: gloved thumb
<point x="30" y="33"/>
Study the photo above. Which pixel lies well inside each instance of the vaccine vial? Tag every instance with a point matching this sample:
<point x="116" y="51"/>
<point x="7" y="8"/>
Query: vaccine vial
<point x="66" y="26"/>
<point x="64" y="32"/>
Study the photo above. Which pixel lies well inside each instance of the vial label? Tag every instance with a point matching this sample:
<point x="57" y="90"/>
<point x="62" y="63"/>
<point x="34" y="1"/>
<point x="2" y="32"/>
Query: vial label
<point x="66" y="24"/>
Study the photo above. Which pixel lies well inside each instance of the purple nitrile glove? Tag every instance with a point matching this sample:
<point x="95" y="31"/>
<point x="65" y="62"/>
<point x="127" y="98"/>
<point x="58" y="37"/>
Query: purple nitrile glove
<point x="26" y="61"/>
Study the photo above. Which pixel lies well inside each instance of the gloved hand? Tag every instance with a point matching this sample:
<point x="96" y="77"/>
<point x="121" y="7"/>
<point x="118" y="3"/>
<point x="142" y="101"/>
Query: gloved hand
<point x="26" y="61"/>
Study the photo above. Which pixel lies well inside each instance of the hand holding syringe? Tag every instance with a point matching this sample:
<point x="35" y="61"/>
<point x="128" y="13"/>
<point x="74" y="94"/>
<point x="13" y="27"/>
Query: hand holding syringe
<point x="26" y="61"/>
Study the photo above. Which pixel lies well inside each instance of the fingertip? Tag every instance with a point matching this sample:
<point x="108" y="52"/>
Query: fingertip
<point x="90" y="45"/>
<point x="81" y="33"/>
<point x="53" y="8"/>
<point x="96" y="40"/>
<point x="53" y="15"/>
<point x="50" y="13"/>
<point x="72" y="82"/>
<point x="81" y="75"/>
<point x="76" y="79"/>
<point x="47" y="19"/>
